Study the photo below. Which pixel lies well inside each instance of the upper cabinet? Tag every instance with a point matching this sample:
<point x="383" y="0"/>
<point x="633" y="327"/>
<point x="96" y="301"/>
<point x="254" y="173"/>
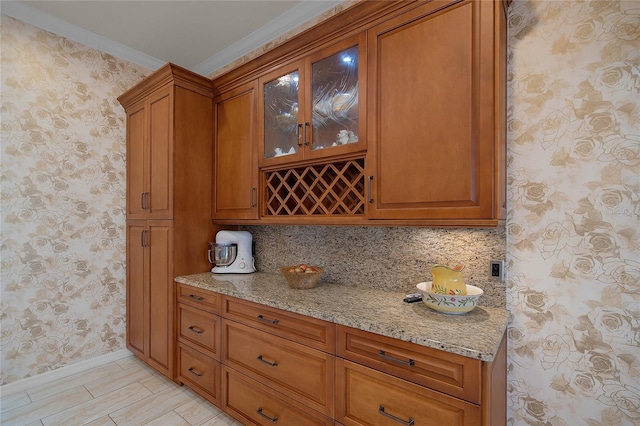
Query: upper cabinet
<point x="149" y="161"/>
<point x="235" y="165"/>
<point x="389" y="113"/>
<point x="314" y="107"/>
<point x="436" y="122"/>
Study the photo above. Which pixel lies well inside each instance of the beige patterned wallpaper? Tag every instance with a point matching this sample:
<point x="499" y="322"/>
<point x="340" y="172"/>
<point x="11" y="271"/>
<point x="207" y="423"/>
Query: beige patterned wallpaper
<point x="573" y="234"/>
<point x="63" y="194"/>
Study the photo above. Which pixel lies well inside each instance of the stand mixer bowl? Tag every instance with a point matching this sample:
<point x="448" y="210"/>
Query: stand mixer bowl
<point x="224" y="254"/>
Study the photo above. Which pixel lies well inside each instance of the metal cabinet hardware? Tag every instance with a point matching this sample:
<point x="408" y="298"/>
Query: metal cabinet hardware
<point x="198" y="298"/>
<point x="369" y="190"/>
<point x="299" y="127"/>
<point x="253" y="197"/>
<point x="306" y="142"/>
<point x="195" y="329"/>
<point x="143" y="238"/>
<point x="268" y="321"/>
<point x="272" y="364"/>
<point x="194" y="372"/>
<point x="144" y="201"/>
<point x="271" y="419"/>
<point x="409" y="422"/>
<point x="382" y="354"/>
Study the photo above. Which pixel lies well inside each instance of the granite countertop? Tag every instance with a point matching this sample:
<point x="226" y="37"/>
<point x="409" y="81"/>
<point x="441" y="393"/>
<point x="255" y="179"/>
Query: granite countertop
<point x="476" y="334"/>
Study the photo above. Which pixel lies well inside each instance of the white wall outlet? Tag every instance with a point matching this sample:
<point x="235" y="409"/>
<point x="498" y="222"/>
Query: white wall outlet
<point x="496" y="270"/>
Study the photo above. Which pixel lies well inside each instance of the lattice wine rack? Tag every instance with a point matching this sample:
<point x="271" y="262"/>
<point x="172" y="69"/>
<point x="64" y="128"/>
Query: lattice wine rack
<point x="335" y="189"/>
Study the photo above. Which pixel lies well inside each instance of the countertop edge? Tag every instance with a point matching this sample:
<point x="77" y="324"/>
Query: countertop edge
<point x="390" y="317"/>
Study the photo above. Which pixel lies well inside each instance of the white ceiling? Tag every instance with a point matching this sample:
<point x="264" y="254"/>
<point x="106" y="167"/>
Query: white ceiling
<point x="203" y="35"/>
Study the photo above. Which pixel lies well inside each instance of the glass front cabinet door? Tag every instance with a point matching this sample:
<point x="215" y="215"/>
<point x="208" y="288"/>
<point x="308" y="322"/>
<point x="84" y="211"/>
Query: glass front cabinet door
<point x="311" y="108"/>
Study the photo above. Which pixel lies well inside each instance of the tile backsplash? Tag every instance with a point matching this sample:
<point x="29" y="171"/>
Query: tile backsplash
<point x="386" y="258"/>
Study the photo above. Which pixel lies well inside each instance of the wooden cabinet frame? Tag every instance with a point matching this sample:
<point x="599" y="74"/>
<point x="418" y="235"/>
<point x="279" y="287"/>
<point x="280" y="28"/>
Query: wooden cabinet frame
<point x="474" y="195"/>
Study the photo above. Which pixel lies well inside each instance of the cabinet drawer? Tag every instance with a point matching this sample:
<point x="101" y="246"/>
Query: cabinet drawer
<point x="302" y="329"/>
<point x="452" y="374"/>
<point x="199" y="298"/>
<point x="302" y="373"/>
<point x="255" y="403"/>
<point x="199" y="372"/>
<point x="200" y="328"/>
<point x="369" y="397"/>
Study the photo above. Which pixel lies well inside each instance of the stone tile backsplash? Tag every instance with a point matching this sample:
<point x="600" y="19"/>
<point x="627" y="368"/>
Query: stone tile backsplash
<point x="385" y="258"/>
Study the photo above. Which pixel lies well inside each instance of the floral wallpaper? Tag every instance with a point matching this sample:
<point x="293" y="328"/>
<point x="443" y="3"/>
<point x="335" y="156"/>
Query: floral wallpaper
<point x="62" y="206"/>
<point x="573" y="230"/>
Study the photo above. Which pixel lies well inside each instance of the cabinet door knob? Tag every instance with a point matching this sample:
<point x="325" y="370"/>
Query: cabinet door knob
<point x="409" y="422"/>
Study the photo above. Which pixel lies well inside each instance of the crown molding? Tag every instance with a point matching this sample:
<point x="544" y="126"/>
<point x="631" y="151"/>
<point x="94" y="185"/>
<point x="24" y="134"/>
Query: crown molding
<point x="291" y="19"/>
<point x="37" y="18"/>
<point x="302" y="12"/>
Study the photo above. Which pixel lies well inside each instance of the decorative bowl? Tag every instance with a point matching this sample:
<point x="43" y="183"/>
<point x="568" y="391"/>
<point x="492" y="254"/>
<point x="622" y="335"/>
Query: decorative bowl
<point x="447" y="303"/>
<point x="301" y="280"/>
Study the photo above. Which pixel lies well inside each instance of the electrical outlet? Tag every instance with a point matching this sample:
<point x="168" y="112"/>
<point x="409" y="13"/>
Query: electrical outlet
<point x="496" y="269"/>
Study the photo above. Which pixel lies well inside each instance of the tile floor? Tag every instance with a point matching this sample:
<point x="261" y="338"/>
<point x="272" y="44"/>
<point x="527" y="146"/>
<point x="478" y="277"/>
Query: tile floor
<point x="123" y="392"/>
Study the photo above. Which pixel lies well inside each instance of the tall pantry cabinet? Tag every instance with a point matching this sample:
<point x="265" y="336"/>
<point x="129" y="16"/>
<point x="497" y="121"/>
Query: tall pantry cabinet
<point x="168" y="206"/>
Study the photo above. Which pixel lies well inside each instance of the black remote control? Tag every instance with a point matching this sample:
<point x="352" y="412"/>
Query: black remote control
<point x="413" y="297"/>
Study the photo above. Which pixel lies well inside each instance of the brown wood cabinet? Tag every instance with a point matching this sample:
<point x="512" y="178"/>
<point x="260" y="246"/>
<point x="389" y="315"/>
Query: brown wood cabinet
<point x="303" y="374"/>
<point x="254" y="403"/>
<point x="281" y="366"/>
<point x="380" y="381"/>
<point x="369" y="397"/>
<point x="169" y="151"/>
<point x="235" y="162"/>
<point x="311" y="108"/>
<point x="431" y="138"/>
<point x="149" y="164"/>
<point x="436" y="134"/>
<point x="198" y="341"/>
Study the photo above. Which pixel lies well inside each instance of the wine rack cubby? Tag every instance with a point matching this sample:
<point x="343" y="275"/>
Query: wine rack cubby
<point x="334" y="189"/>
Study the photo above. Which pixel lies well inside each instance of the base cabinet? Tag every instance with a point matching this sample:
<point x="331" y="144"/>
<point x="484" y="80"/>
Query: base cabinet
<point x="200" y="372"/>
<point x="370" y="398"/>
<point x="264" y="365"/>
<point x="254" y="403"/>
<point x="149" y="269"/>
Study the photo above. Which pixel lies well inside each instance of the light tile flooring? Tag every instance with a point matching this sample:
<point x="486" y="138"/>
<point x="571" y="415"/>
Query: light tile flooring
<point x="123" y="392"/>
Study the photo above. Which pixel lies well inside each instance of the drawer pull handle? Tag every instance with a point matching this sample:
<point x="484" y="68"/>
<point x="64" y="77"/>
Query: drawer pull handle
<point x="382" y="354"/>
<point x="271" y="419"/>
<point x="272" y="364"/>
<point x="195" y="373"/>
<point x="196" y="329"/>
<point x="268" y="321"/>
<point x="409" y="422"/>
<point x="194" y="297"/>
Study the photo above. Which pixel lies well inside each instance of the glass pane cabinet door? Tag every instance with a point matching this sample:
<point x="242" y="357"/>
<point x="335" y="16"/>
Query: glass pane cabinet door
<point x="281" y="124"/>
<point x="334" y="92"/>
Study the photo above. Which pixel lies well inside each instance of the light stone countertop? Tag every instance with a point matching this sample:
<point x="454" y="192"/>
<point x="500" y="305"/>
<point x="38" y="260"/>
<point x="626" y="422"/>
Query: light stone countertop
<point x="476" y="334"/>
